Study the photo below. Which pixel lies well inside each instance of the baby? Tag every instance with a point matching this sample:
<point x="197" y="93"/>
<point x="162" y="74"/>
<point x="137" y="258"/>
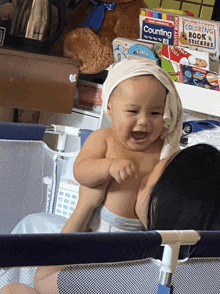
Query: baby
<point x="141" y="101"/>
<point x="114" y="163"/>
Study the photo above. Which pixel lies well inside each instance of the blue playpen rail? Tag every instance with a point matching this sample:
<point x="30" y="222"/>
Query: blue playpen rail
<point x="99" y="249"/>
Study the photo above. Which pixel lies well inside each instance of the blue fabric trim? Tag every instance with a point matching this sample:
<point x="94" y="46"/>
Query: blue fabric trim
<point x="207" y="246"/>
<point x="21" y="131"/>
<point x="73" y="248"/>
<point x="162" y="289"/>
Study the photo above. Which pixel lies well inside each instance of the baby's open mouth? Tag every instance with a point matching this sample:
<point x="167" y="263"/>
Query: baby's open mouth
<point x="139" y="135"/>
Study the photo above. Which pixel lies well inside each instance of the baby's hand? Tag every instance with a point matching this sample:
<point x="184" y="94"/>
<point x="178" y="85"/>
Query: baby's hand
<point x="121" y="169"/>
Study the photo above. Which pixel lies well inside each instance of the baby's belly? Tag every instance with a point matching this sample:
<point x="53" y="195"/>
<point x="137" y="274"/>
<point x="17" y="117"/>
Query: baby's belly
<point x="121" y="198"/>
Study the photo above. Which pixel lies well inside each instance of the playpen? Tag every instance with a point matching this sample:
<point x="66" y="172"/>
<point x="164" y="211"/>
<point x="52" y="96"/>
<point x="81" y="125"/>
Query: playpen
<point x="36" y="180"/>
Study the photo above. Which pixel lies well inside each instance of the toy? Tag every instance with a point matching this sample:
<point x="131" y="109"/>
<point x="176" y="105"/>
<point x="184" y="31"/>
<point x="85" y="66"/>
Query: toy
<point x="7" y="10"/>
<point x="199" y="125"/>
<point x="92" y="44"/>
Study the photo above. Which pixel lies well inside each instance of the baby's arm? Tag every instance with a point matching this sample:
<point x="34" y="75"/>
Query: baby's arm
<point x="91" y="167"/>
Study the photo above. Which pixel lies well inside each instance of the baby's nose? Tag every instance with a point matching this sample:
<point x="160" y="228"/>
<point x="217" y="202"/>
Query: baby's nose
<point x="144" y="121"/>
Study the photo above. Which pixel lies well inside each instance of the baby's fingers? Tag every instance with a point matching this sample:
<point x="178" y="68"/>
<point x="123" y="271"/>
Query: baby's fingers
<point x="132" y="170"/>
<point x="127" y="173"/>
<point x="123" y="175"/>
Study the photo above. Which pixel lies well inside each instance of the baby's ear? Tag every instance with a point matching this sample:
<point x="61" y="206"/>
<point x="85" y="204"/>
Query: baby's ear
<point x="109" y="109"/>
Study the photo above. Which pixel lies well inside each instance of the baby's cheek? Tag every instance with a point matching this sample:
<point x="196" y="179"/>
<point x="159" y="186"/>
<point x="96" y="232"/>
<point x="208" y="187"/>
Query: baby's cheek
<point x="163" y="133"/>
<point x="161" y="123"/>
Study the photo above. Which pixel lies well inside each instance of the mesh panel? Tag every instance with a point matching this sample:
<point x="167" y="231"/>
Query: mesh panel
<point x="25" y="168"/>
<point x="124" y="277"/>
<point x="62" y="191"/>
<point x="23" y="165"/>
<point x="197" y="276"/>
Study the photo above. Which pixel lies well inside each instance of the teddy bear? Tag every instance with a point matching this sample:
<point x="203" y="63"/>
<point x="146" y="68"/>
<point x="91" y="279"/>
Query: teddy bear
<point x="91" y="28"/>
<point x="7" y="10"/>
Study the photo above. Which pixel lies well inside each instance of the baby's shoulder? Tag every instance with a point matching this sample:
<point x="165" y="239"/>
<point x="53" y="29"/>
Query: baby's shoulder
<point x="102" y="137"/>
<point x="103" y="133"/>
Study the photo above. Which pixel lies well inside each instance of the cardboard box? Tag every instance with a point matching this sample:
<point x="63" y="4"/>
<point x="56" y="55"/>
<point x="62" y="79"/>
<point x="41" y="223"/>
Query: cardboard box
<point x="172" y="29"/>
<point x="37" y="82"/>
<point x="171" y="57"/>
<point x="127" y="48"/>
<point x="198" y="77"/>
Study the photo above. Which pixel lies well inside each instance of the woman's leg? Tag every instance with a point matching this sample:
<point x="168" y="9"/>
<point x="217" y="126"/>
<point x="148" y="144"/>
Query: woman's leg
<point x="18" y="289"/>
<point x="45" y="280"/>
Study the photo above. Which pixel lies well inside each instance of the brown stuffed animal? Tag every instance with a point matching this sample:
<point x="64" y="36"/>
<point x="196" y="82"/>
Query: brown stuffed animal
<point x="7" y="10"/>
<point x="93" y="48"/>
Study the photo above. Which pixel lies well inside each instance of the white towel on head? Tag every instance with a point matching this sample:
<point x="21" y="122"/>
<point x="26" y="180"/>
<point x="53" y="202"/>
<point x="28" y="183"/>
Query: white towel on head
<point x="173" y="108"/>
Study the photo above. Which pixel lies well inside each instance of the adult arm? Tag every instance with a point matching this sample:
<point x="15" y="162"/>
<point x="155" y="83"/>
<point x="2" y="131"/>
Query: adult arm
<point x="79" y="220"/>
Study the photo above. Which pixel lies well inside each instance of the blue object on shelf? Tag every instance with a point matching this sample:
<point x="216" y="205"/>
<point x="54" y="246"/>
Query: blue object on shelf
<point x="194" y="126"/>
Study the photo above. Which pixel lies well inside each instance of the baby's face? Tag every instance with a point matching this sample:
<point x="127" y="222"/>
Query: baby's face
<point x="136" y="108"/>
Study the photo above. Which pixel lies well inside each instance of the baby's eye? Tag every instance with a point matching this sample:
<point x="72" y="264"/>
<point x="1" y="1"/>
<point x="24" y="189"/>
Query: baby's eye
<point x="132" y="111"/>
<point x="156" y="113"/>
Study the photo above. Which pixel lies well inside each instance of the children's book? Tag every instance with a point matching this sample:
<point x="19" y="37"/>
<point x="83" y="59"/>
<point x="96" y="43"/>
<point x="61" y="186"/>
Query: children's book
<point x="198" y="77"/>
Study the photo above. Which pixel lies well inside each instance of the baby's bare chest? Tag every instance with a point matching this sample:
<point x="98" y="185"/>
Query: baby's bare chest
<point x="145" y="161"/>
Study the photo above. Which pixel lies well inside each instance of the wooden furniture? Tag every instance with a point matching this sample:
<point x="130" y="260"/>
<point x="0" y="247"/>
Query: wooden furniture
<point x="37" y="82"/>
